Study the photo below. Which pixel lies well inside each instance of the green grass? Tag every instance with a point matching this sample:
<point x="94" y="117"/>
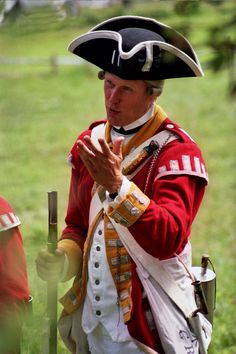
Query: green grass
<point x="41" y="116"/>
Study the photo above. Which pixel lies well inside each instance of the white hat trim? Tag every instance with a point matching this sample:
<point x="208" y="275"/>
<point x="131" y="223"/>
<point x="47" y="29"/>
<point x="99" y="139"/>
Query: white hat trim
<point x="149" y="59"/>
<point x="128" y="17"/>
<point x="196" y="67"/>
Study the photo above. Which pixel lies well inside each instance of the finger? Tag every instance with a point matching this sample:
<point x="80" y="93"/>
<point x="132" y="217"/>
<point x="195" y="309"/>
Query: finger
<point x="87" y="160"/>
<point x="84" y="150"/>
<point x="49" y="267"/>
<point x="104" y="146"/>
<point x="46" y="258"/>
<point x="91" y="145"/>
<point x="42" y="269"/>
<point x="49" y="275"/>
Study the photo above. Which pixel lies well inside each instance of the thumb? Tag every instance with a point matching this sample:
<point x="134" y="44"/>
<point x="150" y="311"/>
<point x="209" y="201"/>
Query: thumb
<point x="117" y="146"/>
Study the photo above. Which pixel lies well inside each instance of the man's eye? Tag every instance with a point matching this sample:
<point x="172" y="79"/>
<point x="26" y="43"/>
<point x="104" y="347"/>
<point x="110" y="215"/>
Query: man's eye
<point x="127" y="89"/>
<point x="109" y="83"/>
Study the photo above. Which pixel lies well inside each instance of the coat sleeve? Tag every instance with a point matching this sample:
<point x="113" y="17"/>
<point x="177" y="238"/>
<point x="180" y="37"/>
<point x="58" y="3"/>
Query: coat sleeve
<point x="160" y="219"/>
<point x="13" y="268"/>
<point x="75" y="232"/>
<point x="77" y="216"/>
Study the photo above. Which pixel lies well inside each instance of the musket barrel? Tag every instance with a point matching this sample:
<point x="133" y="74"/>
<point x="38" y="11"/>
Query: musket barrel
<point x="52" y="284"/>
<point x="52" y="221"/>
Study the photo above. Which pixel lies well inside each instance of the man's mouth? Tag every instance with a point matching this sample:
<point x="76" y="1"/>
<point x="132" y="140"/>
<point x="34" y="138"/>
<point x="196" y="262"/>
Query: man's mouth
<point x="112" y="111"/>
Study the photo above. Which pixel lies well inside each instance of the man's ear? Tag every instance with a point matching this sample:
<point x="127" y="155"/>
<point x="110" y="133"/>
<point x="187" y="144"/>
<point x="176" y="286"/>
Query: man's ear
<point x="154" y="91"/>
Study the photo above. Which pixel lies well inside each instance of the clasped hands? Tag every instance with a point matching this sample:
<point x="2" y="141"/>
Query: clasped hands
<point x="104" y="164"/>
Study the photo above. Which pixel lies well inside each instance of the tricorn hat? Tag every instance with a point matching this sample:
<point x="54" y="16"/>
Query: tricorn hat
<point x="138" y="48"/>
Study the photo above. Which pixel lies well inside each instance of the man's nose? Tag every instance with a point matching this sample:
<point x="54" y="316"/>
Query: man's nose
<point x="115" y="96"/>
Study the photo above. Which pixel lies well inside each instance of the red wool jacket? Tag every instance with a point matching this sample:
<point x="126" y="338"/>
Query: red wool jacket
<point x="175" y="187"/>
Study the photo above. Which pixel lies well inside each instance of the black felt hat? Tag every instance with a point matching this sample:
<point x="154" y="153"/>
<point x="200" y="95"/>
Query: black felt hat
<point x="138" y="48"/>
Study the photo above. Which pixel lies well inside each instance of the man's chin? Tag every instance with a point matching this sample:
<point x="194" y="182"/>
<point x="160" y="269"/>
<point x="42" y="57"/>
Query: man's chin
<point x="113" y="121"/>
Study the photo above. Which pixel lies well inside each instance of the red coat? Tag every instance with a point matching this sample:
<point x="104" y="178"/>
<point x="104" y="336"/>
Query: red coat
<point x="176" y="187"/>
<point x="13" y="274"/>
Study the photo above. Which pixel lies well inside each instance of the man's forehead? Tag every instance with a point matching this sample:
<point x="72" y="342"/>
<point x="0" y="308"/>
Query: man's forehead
<point x="123" y="82"/>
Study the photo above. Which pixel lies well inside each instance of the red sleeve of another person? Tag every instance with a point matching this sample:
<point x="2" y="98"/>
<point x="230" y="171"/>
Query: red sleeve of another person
<point x="13" y="272"/>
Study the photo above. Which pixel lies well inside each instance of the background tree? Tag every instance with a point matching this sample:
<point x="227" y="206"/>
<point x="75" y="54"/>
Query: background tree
<point x="222" y="40"/>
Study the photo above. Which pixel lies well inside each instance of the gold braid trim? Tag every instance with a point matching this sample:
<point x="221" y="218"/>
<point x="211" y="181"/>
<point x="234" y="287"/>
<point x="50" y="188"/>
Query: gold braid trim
<point x="120" y="267"/>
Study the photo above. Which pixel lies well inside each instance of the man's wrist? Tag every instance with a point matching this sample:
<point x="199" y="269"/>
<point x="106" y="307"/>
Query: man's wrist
<point x="115" y="188"/>
<point x="121" y="193"/>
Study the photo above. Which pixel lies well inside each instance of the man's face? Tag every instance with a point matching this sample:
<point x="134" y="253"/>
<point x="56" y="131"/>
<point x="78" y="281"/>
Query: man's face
<point x="125" y="100"/>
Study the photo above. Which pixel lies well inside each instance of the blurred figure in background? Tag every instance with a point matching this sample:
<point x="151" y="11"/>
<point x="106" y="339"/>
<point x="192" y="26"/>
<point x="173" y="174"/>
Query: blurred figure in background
<point x="14" y="291"/>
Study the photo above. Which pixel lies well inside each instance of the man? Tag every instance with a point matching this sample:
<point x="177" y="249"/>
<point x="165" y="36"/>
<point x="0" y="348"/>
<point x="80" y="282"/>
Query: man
<point x="14" y="292"/>
<point x="136" y="173"/>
